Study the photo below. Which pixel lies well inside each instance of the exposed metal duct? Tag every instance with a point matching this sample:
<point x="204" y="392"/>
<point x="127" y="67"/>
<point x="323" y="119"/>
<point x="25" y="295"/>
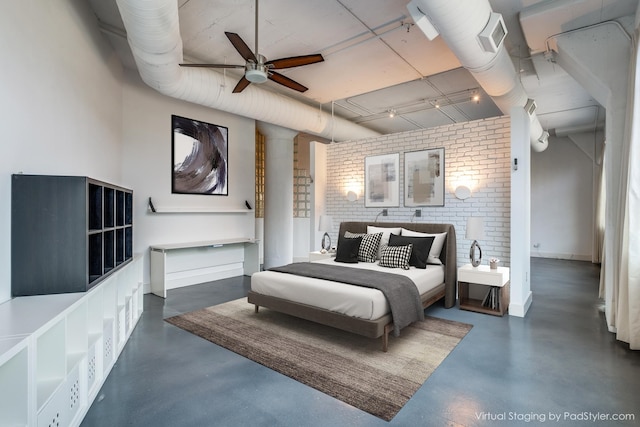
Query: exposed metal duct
<point x="153" y="34"/>
<point x="475" y="34"/>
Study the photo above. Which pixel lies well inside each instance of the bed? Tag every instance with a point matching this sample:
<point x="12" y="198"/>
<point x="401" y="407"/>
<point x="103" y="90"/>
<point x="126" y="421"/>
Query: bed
<point x="357" y="309"/>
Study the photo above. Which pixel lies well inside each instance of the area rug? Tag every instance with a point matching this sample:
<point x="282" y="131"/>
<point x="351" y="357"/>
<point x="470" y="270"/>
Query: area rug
<point x="346" y="366"/>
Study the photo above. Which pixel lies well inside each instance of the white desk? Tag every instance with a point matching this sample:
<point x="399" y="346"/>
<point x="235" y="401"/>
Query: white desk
<point x="176" y="265"/>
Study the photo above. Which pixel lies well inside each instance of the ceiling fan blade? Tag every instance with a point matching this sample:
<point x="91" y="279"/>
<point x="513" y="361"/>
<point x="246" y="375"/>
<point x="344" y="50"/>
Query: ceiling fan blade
<point x="241" y="47"/>
<point x="286" y="81"/>
<point x="212" y="65"/>
<point x="242" y="84"/>
<point x="294" y="61"/>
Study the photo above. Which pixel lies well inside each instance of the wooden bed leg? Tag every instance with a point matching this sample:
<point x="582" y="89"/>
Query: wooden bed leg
<point x="257" y="307"/>
<point x="385" y="337"/>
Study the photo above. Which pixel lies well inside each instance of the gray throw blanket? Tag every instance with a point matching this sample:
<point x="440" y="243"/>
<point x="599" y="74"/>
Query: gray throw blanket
<point x="400" y="291"/>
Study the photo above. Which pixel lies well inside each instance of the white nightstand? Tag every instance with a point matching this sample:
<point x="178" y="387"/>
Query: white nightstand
<point x="317" y="256"/>
<point x="493" y="299"/>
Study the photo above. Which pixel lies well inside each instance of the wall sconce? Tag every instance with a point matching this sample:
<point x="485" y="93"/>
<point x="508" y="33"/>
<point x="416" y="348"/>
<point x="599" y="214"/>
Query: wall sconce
<point x="383" y="212"/>
<point x="462" y="192"/>
<point x="352" y="189"/>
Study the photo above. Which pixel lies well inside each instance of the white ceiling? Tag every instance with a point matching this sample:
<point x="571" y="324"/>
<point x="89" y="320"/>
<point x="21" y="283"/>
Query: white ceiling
<point x="377" y="60"/>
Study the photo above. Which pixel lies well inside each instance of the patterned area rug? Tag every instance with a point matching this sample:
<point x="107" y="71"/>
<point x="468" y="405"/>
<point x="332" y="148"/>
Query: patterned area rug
<point x="343" y="365"/>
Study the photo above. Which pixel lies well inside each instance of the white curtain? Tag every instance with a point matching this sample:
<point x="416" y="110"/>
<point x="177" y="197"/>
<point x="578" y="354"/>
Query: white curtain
<point x="626" y="293"/>
<point x="599" y="223"/>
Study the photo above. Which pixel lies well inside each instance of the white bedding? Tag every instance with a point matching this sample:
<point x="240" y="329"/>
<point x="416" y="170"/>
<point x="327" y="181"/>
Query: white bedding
<point x="354" y="301"/>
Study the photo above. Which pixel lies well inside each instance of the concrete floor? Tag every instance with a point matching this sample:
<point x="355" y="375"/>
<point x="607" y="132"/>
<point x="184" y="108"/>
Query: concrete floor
<point x="558" y="360"/>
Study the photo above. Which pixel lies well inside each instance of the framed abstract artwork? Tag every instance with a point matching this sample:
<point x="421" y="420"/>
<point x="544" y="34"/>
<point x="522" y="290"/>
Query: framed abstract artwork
<point x="424" y="178"/>
<point x="199" y="157"/>
<point x="382" y="183"/>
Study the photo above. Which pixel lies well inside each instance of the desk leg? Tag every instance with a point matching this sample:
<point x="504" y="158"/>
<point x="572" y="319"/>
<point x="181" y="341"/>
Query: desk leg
<point x="251" y="258"/>
<point x="158" y="261"/>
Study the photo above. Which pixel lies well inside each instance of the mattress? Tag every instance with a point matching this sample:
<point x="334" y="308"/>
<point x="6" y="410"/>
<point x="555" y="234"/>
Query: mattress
<point x="354" y="301"/>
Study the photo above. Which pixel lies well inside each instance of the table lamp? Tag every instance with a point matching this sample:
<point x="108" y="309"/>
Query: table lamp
<point x="475" y="231"/>
<point x="326" y="225"/>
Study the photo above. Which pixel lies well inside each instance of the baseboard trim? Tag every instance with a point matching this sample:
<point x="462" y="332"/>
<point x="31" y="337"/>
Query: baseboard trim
<point x="520" y="310"/>
<point x="558" y="255"/>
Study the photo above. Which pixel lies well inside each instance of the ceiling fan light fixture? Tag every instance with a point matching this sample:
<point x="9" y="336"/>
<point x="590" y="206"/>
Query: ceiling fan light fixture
<point x="256" y="72"/>
<point x="256" y="75"/>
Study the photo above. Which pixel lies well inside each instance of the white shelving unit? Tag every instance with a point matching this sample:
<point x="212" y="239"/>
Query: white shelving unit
<point x="57" y="350"/>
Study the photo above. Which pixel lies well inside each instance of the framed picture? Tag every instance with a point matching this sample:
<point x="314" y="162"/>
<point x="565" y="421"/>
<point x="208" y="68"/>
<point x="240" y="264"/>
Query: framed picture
<point x="424" y="178"/>
<point x="382" y="185"/>
<point x="199" y="157"/>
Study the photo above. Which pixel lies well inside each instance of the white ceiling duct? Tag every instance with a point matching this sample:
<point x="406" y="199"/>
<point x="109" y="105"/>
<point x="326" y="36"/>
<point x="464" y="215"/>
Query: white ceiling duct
<point x="154" y="36"/>
<point x="475" y="34"/>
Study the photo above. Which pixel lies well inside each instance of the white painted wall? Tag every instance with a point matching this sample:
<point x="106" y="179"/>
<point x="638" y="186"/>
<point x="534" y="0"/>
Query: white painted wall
<point x="562" y="181"/>
<point x="146" y="165"/>
<point x="61" y="101"/>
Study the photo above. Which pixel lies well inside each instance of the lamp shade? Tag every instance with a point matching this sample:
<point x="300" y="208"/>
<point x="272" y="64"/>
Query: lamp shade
<point x="326" y="223"/>
<point x="475" y="228"/>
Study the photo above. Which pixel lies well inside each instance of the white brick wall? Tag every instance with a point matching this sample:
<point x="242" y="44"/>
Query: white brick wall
<point x="477" y="152"/>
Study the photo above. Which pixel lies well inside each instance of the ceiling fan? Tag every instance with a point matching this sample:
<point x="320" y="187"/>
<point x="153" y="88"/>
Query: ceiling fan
<point x="257" y="68"/>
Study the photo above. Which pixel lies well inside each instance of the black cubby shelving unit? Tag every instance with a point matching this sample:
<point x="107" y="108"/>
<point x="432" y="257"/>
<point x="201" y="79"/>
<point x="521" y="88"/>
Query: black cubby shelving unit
<point x="68" y="233"/>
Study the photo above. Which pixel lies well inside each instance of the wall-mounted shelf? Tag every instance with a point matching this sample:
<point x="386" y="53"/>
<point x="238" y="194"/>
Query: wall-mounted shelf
<point x="169" y="210"/>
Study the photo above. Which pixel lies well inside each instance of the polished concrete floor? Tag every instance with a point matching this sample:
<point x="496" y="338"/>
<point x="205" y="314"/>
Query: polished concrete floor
<point x="559" y="360"/>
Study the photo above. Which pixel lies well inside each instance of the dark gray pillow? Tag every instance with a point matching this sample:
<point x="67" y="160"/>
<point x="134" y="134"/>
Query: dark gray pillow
<point x="420" y="250"/>
<point x="347" y="250"/>
<point x="369" y="246"/>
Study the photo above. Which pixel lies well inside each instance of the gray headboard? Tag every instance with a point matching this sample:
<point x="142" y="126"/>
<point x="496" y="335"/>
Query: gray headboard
<point x="447" y="256"/>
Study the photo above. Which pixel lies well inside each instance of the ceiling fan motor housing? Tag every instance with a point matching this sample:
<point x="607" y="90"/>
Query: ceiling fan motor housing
<point x="256" y="73"/>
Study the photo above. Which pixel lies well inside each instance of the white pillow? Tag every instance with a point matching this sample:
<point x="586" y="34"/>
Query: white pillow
<point x="436" y="247"/>
<point x="386" y="232"/>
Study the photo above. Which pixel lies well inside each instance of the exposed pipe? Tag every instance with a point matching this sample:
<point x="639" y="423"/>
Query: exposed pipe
<point x="153" y="34"/>
<point x="459" y="22"/>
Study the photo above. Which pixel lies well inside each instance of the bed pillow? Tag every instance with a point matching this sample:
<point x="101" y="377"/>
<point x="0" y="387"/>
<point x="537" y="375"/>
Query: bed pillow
<point x="395" y="256"/>
<point x="386" y="232"/>
<point x="436" y="247"/>
<point x="347" y="250"/>
<point x="369" y="247"/>
<point x="419" y="251"/>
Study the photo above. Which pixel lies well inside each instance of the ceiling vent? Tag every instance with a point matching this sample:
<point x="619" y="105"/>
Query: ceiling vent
<point x="530" y="107"/>
<point x="493" y="34"/>
<point x="421" y="20"/>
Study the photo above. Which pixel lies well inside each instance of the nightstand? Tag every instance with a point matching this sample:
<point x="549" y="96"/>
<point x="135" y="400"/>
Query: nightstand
<point x="484" y="290"/>
<point x="317" y="255"/>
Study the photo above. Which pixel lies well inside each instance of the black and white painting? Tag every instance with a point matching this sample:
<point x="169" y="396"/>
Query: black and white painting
<point x="200" y="157"/>
<point x="424" y="178"/>
<point x="382" y="184"/>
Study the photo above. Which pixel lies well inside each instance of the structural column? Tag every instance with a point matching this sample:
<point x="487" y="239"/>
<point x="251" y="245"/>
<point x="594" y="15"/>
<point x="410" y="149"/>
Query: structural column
<point x="521" y="296"/>
<point x="278" y="197"/>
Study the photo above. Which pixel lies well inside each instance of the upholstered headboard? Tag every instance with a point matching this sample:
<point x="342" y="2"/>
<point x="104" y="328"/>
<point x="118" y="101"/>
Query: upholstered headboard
<point x="448" y="256"/>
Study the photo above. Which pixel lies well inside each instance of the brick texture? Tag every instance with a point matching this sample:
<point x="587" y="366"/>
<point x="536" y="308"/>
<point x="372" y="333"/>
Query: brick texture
<point x="477" y="154"/>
